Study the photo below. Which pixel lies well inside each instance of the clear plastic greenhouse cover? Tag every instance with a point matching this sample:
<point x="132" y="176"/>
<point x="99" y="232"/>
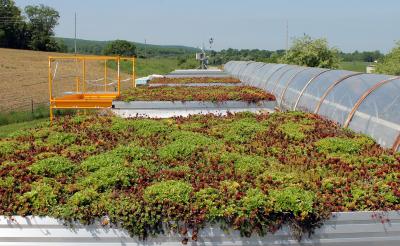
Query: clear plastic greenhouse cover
<point x="366" y="103"/>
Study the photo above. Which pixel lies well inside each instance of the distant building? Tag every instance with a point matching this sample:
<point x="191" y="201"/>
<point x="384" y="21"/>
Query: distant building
<point x="371" y="67"/>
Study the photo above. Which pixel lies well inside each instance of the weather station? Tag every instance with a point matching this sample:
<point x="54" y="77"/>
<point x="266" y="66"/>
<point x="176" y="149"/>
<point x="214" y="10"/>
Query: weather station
<point x="202" y="56"/>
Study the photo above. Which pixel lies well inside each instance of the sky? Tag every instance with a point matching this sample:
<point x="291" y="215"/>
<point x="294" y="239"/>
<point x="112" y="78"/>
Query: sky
<point x="243" y="24"/>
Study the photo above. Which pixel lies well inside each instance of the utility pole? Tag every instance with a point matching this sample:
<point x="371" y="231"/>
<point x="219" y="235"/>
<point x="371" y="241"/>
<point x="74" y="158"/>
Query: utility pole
<point x="75" y="34"/>
<point x="287" y="36"/>
<point x="145" y="47"/>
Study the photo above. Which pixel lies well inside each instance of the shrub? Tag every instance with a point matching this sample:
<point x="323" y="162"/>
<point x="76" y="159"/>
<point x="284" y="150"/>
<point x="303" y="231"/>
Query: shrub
<point x="53" y="166"/>
<point x="309" y="52"/>
<point x="292" y="199"/>
<point x="390" y="63"/>
<point x="172" y="191"/>
<point x="120" y="48"/>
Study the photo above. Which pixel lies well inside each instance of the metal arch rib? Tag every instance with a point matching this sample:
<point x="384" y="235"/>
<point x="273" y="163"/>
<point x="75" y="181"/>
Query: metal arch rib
<point x="306" y="86"/>
<point x="362" y="98"/>
<point x="330" y="88"/>
<point x="289" y="83"/>
<point x="396" y="143"/>
<point x="257" y="69"/>
<point x="241" y="69"/>
<point x="270" y="76"/>
<point x="280" y="77"/>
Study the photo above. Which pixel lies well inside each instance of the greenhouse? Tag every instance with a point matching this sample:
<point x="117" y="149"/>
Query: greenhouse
<point x="366" y="103"/>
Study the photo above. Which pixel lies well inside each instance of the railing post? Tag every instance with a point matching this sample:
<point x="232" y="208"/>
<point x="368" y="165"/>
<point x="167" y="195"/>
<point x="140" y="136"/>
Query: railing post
<point x="32" y="107"/>
<point x="133" y="73"/>
<point x="84" y="75"/>
<point x="105" y="75"/>
<point x="118" y="75"/>
<point x="50" y="90"/>
<point x="77" y="77"/>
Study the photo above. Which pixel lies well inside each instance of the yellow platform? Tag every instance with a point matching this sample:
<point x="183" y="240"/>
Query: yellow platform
<point x="84" y="101"/>
<point x="82" y="97"/>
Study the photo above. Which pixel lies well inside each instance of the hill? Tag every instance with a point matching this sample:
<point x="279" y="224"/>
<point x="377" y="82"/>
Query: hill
<point x="96" y="47"/>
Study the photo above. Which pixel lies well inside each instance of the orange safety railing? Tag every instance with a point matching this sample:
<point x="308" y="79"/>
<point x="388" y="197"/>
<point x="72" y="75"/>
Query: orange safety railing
<point x="71" y="88"/>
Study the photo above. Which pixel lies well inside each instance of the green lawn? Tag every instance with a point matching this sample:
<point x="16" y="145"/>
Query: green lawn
<point x="145" y="67"/>
<point x="149" y="66"/>
<point x="6" y="130"/>
<point x="357" y="66"/>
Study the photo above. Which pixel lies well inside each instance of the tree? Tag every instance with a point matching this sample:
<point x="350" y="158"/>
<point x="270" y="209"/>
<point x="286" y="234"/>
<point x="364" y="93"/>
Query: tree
<point x="62" y="47"/>
<point x="390" y="64"/>
<point x="120" y="48"/>
<point x="42" y="21"/>
<point x="310" y="52"/>
<point x="12" y="26"/>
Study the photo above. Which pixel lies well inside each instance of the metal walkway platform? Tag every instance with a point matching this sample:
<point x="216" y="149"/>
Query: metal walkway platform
<point x="84" y="101"/>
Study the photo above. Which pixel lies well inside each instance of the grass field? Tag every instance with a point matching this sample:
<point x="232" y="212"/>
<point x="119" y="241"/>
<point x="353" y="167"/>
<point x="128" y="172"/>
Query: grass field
<point x="7" y="130"/>
<point x="145" y="67"/>
<point x="24" y="76"/>
<point x="24" y="115"/>
<point x="24" y="81"/>
<point x="357" y="66"/>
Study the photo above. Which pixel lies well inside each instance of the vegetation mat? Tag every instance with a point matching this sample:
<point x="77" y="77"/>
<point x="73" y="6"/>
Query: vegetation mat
<point x="189" y="80"/>
<point x="198" y="93"/>
<point x="248" y="172"/>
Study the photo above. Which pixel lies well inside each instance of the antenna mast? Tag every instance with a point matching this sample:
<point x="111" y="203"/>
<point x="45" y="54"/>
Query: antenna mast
<point x="287" y="36"/>
<point x="75" y="35"/>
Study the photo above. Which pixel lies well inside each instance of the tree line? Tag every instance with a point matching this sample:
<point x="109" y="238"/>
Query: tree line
<point x="306" y="51"/>
<point x="299" y="46"/>
<point x="32" y="28"/>
<point x="141" y="50"/>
